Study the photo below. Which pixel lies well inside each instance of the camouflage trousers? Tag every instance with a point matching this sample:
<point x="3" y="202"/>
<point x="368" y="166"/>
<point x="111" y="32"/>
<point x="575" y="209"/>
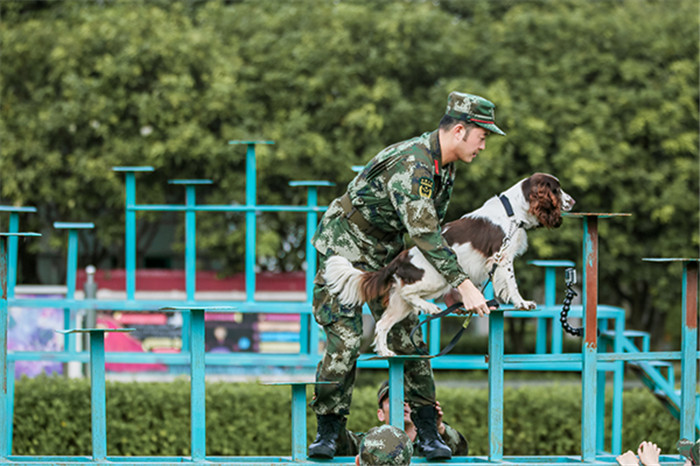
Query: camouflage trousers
<point x="343" y="328"/>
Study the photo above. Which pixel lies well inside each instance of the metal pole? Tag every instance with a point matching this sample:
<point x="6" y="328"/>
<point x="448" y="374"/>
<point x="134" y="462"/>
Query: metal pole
<point x="130" y="227"/>
<point x="90" y="290"/>
<point x="250" y="199"/>
<point x="590" y="347"/>
<point x="496" y="368"/>
<point x="689" y="346"/>
<point x="298" y="422"/>
<point x="5" y="399"/>
<point x="130" y="241"/>
<point x="549" y="299"/>
<point x="197" y="380"/>
<point x="4" y="440"/>
<point x="396" y="394"/>
<point x="98" y="395"/>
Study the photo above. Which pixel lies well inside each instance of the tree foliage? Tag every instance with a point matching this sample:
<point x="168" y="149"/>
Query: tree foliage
<point x="602" y="94"/>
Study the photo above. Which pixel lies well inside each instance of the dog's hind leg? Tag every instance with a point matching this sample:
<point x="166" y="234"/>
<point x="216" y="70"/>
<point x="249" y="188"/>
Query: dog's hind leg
<point x="395" y="312"/>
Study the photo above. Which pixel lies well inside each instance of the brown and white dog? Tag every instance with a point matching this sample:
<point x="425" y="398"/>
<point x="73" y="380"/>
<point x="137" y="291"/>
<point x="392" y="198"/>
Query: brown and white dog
<point x="486" y="242"/>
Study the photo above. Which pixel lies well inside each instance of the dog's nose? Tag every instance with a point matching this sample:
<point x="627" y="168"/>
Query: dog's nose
<point x="568" y="202"/>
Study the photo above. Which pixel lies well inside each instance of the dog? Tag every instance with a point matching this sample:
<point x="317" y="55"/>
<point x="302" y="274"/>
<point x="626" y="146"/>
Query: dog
<point x="486" y="242"/>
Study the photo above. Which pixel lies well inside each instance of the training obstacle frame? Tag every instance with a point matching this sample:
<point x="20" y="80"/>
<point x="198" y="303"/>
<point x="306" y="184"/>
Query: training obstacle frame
<point x="593" y="361"/>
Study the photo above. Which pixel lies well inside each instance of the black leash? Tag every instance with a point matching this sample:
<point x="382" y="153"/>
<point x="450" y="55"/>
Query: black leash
<point x="458" y="335"/>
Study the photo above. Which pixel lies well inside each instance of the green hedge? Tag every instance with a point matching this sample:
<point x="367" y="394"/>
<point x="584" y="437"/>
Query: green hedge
<point x="52" y="417"/>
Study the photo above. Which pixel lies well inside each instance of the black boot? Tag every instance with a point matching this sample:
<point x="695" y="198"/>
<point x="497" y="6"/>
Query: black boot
<point x="430" y="443"/>
<point x="329" y="428"/>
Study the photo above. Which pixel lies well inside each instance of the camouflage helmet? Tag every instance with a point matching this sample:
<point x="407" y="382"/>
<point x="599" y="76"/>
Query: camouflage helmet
<point x="385" y="445"/>
<point x="472" y="109"/>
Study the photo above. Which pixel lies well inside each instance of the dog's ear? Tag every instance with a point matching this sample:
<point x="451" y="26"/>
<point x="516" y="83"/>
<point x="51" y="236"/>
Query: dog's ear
<point x="545" y="200"/>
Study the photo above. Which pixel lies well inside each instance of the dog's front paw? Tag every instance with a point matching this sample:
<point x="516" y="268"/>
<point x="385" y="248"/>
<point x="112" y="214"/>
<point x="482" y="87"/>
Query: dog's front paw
<point x="430" y="308"/>
<point x="386" y="353"/>
<point x="526" y="305"/>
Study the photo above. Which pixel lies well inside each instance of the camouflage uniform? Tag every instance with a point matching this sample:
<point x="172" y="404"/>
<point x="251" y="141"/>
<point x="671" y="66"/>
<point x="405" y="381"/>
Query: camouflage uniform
<point x="403" y="189"/>
<point x="385" y="445"/>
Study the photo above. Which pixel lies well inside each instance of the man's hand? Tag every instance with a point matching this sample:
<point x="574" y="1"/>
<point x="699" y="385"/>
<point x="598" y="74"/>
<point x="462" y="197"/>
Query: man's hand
<point x="472" y="298"/>
<point x="649" y="454"/>
<point x="438" y="418"/>
<point x="627" y="459"/>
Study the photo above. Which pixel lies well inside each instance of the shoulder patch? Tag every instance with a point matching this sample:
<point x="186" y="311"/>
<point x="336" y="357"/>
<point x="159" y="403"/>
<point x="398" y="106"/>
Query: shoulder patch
<point x="425" y="188"/>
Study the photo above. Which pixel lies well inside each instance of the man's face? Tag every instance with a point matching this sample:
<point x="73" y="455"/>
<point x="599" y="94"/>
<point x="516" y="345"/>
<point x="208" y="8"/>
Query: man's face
<point x="472" y="143"/>
<point x="383" y="412"/>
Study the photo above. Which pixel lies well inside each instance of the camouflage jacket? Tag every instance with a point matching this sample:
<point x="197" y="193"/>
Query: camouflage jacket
<point x="403" y="189"/>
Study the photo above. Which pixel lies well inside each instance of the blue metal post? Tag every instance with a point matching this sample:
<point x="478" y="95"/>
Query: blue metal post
<point x="71" y="271"/>
<point x="130" y="226"/>
<point x="130" y="240"/>
<point x="250" y="200"/>
<point x="689" y="346"/>
<point x="98" y="395"/>
<point x="600" y="411"/>
<point x="190" y="243"/>
<point x="618" y="387"/>
<point x="197" y="379"/>
<point x="590" y="347"/>
<point x="298" y="422"/>
<point x="299" y="417"/>
<point x="250" y="227"/>
<point x="434" y="340"/>
<point x="197" y="375"/>
<point x="5" y="410"/>
<point x="4" y="399"/>
<point x="190" y="249"/>
<point x="549" y="299"/>
<point x="396" y="394"/>
<point x="309" y="331"/>
<point x="10" y="404"/>
<point x="307" y="344"/>
<point x="496" y="367"/>
<point x="12" y="245"/>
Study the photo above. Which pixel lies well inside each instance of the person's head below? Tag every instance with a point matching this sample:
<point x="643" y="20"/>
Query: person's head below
<point x="468" y="120"/>
<point x="383" y="406"/>
<point x="385" y="445"/>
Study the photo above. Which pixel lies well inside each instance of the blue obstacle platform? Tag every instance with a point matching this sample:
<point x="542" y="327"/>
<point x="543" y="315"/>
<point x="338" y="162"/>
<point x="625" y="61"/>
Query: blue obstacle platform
<point x="593" y="362"/>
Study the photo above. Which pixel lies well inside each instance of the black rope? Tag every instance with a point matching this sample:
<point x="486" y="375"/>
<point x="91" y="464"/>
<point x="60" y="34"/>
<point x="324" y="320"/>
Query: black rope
<point x="570" y="277"/>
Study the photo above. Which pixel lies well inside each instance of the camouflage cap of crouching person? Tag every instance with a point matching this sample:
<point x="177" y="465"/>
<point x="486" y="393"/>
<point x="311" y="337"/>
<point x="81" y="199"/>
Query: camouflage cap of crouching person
<point x="385" y="445"/>
<point x="382" y="393"/>
<point x="473" y="109"/>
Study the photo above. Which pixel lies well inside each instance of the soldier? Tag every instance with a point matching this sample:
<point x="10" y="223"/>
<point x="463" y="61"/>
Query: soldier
<point x="404" y="189"/>
<point x="385" y="445"/>
<point x="348" y="443"/>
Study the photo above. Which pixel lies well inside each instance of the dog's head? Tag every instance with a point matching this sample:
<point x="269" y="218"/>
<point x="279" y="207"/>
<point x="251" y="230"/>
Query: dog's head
<point x="547" y="199"/>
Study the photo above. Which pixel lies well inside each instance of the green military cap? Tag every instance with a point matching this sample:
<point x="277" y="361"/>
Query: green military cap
<point x="383" y="392"/>
<point x="385" y="445"/>
<point x="473" y="109"/>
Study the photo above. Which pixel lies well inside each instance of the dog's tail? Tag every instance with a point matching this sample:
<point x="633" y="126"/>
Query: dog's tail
<point x="352" y="285"/>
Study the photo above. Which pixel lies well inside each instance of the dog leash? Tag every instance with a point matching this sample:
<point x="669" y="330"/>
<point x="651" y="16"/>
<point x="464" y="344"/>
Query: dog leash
<point x="458" y="335"/>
